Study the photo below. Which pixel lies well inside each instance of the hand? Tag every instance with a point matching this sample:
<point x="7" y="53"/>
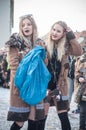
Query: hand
<point x="20" y="53"/>
<point x="81" y="80"/>
<point x="46" y="61"/>
<point x="48" y="92"/>
<point x="68" y="29"/>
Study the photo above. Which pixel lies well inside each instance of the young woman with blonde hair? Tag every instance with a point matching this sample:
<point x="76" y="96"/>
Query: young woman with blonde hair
<point x="18" y="46"/>
<point x="60" y="43"/>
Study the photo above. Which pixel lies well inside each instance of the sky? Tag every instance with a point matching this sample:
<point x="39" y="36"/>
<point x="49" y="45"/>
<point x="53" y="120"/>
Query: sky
<point x="47" y="12"/>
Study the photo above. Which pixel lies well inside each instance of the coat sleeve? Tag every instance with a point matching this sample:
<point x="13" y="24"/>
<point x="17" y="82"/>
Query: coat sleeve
<point x="75" y="48"/>
<point x="78" y="66"/>
<point x="13" y="57"/>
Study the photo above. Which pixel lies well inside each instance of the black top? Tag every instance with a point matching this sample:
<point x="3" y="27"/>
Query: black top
<point x="54" y="67"/>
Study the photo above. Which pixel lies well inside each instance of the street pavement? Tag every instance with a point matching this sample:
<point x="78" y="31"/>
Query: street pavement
<point x="52" y="123"/>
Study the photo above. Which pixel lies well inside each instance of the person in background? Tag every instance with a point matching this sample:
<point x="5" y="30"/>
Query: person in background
<point x="4" y="72"/>
<point x="71" y="84"/>
<point x="80" y="96"/>
<point x="71" y="77"/>
<point x="18" y="45"/>
<point x="60" y="43"/>
<point x="1" y="77"/>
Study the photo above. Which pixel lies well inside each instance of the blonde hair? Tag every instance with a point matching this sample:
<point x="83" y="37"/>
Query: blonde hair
<point x="61" y="43"/>
<point x="35" y="33"/>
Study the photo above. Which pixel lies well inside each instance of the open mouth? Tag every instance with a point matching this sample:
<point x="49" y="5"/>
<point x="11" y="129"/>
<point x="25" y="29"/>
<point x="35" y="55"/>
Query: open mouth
<point x="26" y="31"/>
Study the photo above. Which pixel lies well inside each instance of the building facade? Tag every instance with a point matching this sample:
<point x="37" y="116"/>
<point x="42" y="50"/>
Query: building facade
<point x="6" y="20"/>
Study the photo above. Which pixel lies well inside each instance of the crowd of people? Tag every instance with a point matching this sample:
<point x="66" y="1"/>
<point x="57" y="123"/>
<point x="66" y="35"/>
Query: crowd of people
<point x="4" y="71"/>
<point x="64" y="60"/>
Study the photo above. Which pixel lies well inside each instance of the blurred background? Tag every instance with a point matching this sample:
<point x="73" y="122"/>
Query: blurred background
<point x="45" y="12"/>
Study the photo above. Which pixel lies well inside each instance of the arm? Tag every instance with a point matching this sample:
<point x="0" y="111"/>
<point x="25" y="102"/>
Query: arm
<point x="75" y="48"/>
<point x="13" y="57"/>
<point x="13" y="47"/>
<point x="78" y="75"/>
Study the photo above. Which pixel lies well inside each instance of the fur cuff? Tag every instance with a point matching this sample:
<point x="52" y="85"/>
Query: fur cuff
<point x="70" y="35"/>
<point x="14" y="40"/>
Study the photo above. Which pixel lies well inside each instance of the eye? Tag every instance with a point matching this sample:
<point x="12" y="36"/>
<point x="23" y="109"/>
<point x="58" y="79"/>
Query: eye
<point x="53" y="29"/>
<point x="29" y="24"/>
<point x="58" y="31"/>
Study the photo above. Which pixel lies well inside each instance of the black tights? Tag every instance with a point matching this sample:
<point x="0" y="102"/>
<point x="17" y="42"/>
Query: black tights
<point x="36" y="125"/>
<point x="65" y="124"/>
<point x="15" y="126"/>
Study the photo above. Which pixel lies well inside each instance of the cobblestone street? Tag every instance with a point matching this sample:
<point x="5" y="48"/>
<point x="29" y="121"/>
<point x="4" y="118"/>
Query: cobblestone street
<point x="52" y="122"/>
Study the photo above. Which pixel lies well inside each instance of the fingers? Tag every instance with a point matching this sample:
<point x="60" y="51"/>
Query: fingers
<point x="68" y="29"/>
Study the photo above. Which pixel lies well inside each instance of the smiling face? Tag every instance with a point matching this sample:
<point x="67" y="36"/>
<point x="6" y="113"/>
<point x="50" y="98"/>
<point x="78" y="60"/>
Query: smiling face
<point x="57" y="32"/>
<point x="26" y="27"/>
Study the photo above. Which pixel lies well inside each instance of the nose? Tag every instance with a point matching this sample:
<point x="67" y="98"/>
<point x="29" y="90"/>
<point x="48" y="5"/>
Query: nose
<point x="54" y="32"/>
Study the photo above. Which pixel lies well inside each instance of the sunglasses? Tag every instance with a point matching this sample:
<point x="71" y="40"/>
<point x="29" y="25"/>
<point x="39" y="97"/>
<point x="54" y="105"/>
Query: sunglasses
<point x="25" y="16"/>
